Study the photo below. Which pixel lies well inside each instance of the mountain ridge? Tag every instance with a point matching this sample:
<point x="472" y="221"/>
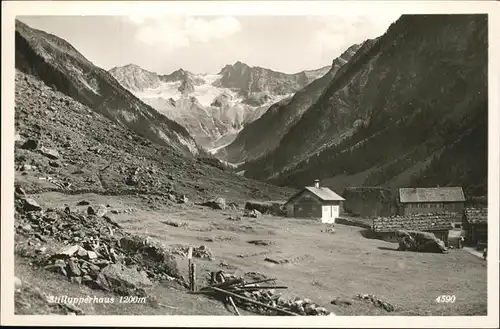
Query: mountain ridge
<point x="61" y="66"/>
<point x="377" y="99"/>
<point x="213" y="108"/>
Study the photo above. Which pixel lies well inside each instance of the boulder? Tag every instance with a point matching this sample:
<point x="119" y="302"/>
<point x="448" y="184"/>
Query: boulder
<point x="253" y="213"/>
<point x="219" y="204"/>
<point x="98" y="211"/>
<point x="420" y="242"/>
<point x="50" y="153"/>
<point x="122" y="280"/>
<point x="17" y="283"/>
<point x="73" y="269"/>
<point x="151" y="255"/>
<point x="31" y="205"/>
<point x="68" y="251"/>
<point x="31" y="144"/>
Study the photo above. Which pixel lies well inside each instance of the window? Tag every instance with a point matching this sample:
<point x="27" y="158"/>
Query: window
<point x="458" y="225"/>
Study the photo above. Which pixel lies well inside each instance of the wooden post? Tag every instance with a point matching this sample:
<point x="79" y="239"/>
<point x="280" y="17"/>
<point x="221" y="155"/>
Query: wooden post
<point x="190" y="273"/>
<point x="193" y="277"/>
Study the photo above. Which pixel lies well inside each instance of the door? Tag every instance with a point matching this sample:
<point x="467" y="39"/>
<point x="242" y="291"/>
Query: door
<point x="328" y="215"/>
<point x="335" y="212"/>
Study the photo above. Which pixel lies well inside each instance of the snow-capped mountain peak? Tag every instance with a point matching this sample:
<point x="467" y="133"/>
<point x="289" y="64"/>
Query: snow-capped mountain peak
<point x="211" y="106"/>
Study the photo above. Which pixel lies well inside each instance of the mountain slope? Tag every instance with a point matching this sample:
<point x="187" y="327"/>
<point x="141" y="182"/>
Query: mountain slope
<point x="264" y="134"/>
<point x="415" y="95"/>
<point x="95" y="155"/>
<point x="213" y="107"/>
<point x="61" y="66"/>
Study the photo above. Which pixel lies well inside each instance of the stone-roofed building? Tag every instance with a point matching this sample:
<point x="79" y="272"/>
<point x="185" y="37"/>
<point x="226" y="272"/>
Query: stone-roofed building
<point x="475" y="224"/>
<point x="437" y="223"/>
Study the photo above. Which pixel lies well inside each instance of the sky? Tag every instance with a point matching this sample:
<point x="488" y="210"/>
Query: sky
<point x="205" y="44"/>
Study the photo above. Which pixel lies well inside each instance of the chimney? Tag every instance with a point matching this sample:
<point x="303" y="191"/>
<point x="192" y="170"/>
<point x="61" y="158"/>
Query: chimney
<point x="316" y="183"/>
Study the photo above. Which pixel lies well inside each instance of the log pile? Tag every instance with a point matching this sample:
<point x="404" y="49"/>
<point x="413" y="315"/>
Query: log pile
<point x="258" y="296"/>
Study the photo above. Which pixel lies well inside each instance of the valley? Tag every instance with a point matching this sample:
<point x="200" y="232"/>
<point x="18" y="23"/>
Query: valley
<point x="125" y="176"/>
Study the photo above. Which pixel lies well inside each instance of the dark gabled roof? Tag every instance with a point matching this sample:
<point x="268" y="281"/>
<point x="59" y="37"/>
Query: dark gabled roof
<point x="476" y="215"/>
<point x="416" y="222"/>
<point x="323" y="193"/>
<point x="431" y="194"/>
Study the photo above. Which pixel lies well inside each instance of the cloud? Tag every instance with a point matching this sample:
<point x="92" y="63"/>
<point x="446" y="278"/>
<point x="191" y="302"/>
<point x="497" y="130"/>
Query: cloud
<point x="173" y="32"/>
<point x="337" y="33"/>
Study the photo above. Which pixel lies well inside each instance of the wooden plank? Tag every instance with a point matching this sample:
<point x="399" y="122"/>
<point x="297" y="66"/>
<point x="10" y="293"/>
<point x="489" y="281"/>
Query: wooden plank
<point x="193" y="274"/>
<point x="253" y="301"/>
<point x="234" y="306"/>
<point x="224" y="284"/>
<point x="259" y="281"/>
<point x="243" y="288"/>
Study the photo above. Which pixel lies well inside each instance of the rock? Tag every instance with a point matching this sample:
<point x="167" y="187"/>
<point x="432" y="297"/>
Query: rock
<point x="57" y="268"/>
<point x="26" y="227"/>
<point x="54" y="164"/>
<point x="234" y="218"/>
<point x="420" y="242"/>
<point x="253" y="213"/>
<point x="260" y="242"/>
<point x="183" y="199"/>
<point x="50" y="153"/>
<point x="31" y="144"/>
<point x="117" y="277"/>
<point x="41" y="250"/>
<point x="74" y="269"/>
<point x="26" y="167"/>
<point x="94" y="270"/>
<point x="82" y="253"/>
<point x="83" y="203"/>
<point x="76" y="279"/>
<point x="31" y="205"/>
<point x="203" y="252"/>
<point x="341" y="301"/>
<point x="17" y="283"/>
<point x="97" y="211"/>
<point x="218" y="204"/>
<point x="149" y="254"/>
<point x="91" y="254"/>
<point x="69" y="251"/>
<point x="276" y="261"/>
<point x="86" y="278"/>
<point x="310" y="308"/>
<point x="19" y="191"/>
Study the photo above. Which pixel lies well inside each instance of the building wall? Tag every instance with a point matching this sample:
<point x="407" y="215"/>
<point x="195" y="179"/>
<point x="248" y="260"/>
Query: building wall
<point x="428" y="207"/>
<point x="307" y="205"/>
<point x="476" y="233"/>
<point x="369" y="202"/>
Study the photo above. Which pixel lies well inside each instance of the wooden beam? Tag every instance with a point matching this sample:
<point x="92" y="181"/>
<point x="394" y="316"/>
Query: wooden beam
<point x="223" y="284"/>
<point x="253" y="301"/>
